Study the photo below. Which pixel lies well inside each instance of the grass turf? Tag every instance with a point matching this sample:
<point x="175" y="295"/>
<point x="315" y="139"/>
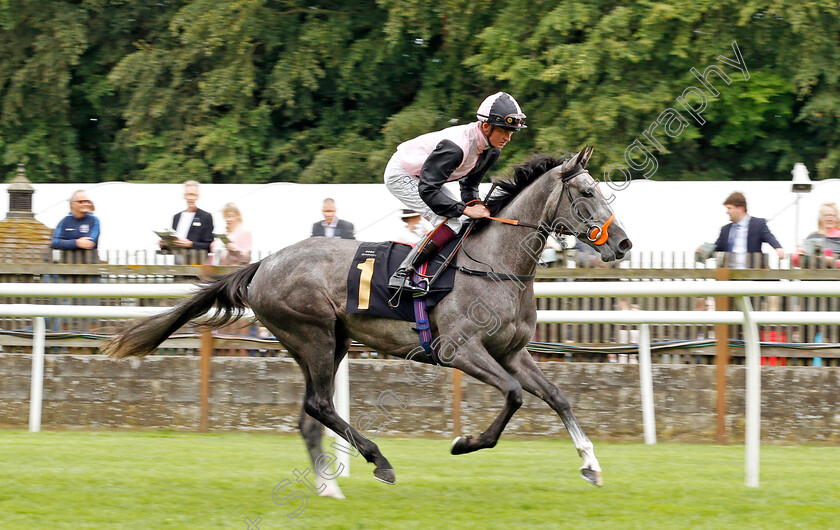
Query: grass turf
<point x="185" y="480"/>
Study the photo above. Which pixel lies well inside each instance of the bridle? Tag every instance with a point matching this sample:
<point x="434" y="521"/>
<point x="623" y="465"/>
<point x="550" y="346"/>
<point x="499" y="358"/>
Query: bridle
<point x="596" y="234"/>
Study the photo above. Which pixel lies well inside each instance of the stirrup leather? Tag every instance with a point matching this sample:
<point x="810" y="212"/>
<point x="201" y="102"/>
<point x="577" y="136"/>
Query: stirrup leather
<point x="402" y="277"/>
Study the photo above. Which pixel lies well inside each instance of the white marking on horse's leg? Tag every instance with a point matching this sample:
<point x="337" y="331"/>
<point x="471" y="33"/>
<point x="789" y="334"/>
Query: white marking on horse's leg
<point x="331" y="489"/>
<point x="584" y="448"/>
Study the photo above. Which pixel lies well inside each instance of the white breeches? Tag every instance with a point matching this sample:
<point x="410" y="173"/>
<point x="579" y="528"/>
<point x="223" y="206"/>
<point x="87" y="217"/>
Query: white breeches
<point x="404" y="188"/>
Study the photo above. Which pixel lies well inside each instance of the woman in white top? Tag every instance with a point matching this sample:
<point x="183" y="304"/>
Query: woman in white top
<point x="414" y="229"/>
<point x="237" y="250"/>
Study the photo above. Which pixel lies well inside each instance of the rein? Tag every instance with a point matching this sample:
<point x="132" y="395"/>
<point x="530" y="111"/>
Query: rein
<point x="497" y="275"/>
<point x="513" y="222"/>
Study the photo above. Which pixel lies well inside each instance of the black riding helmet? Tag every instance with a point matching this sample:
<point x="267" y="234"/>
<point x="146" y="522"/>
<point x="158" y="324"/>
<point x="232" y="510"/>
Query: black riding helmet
<point x="503" y="111"/>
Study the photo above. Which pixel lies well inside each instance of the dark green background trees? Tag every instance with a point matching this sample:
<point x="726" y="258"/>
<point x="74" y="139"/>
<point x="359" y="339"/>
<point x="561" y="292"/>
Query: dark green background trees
<point x="259" y="90"/>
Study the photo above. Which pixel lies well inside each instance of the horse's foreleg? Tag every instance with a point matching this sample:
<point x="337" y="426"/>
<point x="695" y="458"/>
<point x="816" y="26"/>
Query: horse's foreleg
<point x="479" y="364"/>
<point x="534" y="381"/>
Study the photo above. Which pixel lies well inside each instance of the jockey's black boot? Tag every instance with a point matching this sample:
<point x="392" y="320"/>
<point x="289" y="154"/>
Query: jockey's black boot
<point x="402" y="276"/>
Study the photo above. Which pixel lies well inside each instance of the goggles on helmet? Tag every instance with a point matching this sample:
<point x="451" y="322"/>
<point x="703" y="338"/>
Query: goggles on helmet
<point x="513" y="121"/>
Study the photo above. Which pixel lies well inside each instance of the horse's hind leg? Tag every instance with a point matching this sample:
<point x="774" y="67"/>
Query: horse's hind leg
<point x="534" y="381"/>
<point x="317" y="354"/>
<point x="319" y="405"/>
<point x="313" y="431"/>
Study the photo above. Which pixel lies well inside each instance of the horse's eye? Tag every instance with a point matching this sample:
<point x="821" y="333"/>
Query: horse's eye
<point x="587" y="192"/>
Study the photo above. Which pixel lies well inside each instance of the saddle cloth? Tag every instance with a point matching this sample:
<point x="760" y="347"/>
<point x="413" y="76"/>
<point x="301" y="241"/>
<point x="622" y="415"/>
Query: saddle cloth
<point x="372" y="267"/>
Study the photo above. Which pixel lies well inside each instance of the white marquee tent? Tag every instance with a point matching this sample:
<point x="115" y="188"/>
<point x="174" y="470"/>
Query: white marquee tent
<point x="658" y="216"/>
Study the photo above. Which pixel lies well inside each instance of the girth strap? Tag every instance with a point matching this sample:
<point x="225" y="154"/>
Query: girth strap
<point x="421" y="318"/>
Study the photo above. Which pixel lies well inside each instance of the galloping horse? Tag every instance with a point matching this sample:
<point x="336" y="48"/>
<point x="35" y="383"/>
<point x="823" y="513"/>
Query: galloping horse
<point x="299" y="294"/>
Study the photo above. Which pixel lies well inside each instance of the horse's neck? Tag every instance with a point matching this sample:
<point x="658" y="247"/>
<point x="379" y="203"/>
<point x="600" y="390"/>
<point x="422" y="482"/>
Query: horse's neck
<point x="513" y="249"/>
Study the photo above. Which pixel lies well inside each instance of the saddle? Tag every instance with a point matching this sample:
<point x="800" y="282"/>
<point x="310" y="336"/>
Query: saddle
<point x="372" y="267"/>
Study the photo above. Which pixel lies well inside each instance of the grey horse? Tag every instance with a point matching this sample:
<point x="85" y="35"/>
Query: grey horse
<point x="299" y="294"/>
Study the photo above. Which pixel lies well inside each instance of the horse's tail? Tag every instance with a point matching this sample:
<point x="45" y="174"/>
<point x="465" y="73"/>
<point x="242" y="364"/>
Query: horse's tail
<point x="228" y="293"/>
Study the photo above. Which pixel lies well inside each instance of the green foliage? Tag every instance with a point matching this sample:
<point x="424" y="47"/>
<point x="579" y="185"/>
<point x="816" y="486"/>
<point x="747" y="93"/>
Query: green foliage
<point x="260" y="91"/>
<point x="40" y="48"/>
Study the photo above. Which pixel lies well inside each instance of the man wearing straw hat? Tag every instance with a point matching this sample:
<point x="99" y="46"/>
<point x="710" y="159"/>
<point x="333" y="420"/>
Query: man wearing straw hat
<point x="414" y="228"/>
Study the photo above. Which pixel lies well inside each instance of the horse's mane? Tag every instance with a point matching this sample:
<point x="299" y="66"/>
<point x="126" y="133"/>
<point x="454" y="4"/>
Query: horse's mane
<point x="524" y="174"/>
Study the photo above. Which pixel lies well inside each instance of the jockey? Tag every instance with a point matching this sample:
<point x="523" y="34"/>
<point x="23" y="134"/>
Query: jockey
<point x="418" y="170"/>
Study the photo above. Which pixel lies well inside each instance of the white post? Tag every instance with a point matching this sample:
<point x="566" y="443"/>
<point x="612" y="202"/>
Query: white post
<point x="646" y="384"/>
<point x="752" y="434"/>
<point x="36" y="392"/>
<point x="341" y="398"/>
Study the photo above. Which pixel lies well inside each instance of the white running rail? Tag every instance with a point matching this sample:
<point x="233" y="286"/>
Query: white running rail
<point x="741" y="290"/>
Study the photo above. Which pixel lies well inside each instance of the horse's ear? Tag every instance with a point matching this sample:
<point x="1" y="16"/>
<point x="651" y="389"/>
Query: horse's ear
<point x="579" y="158"/>
<point x="569" y="164"/>
<point x="587" y="154"/>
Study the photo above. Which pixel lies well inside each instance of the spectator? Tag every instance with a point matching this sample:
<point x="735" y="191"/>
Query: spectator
<point x="414" y="228"/>
<point x="237" y="251"/>
<point x="263" y="333"/>
<point x="332" y="226"/>
<point x="80" y="229"/>
<point x="193" y="227"/>
<point x="582" y="254"/>
<point x="827" y="236"/>
<point x="77" y="231"/>
<point x="745" y="234"/>
<point x="551" y="253"/>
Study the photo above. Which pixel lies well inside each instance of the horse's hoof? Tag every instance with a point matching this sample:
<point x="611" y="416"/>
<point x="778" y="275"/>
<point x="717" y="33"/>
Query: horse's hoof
<point x="331" y="489"/>
<point x="592" y="476"/>
<point x="385" y="475"/>
<point x="460" y="445"/>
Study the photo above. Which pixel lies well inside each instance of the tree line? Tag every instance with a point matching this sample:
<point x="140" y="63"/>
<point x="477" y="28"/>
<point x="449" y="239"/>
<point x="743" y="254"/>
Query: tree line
<point x="253" y="91"/>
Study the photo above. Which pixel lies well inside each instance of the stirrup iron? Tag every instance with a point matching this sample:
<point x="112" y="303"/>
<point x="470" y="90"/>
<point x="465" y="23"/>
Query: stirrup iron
<point x="401" y="280"/>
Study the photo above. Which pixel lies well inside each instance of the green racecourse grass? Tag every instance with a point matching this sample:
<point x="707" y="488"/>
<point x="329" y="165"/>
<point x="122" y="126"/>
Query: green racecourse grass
<point x="185" y="480"/>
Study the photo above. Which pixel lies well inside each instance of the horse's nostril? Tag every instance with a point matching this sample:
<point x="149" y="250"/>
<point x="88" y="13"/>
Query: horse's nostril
<point x="625" y="245"/>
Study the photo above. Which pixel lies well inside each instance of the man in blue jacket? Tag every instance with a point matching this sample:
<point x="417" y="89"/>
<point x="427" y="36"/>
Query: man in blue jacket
<point x="745" y="234"/>
<point x="80" y="229"/>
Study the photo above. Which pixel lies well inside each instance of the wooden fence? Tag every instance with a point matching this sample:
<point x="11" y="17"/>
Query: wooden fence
<point x="811" y="344"/>
<point x="648" y="266"/>
<point x="83" y="266"/>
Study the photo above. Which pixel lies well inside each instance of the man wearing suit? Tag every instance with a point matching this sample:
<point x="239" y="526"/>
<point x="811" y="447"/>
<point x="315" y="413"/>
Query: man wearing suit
<point x="332" y="226"/>
<point x="193" y="227"/>
<point x="745" y="234"/>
